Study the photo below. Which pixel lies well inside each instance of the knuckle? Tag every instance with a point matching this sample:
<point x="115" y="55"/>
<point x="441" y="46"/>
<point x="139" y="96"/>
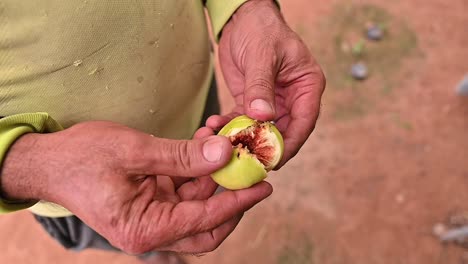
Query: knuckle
<point x="134" y="149"/>
<point x="182" y="155"/>
<point x="209" y="221"/>
<point x="260" y="84"/>
<point x="238" y="203"/>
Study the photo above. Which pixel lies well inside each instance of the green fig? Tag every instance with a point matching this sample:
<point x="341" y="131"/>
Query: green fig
<point x="257" y="149"/>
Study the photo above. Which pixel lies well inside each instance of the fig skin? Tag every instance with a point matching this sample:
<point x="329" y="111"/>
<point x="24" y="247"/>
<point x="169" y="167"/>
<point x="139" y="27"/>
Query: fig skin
<point x="244" y="169"/>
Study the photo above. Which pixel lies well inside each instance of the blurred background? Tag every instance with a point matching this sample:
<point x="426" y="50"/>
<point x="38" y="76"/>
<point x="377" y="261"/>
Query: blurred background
<point x="383" y="179"/>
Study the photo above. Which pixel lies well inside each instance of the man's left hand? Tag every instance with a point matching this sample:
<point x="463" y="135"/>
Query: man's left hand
<point x="270" y="73"/>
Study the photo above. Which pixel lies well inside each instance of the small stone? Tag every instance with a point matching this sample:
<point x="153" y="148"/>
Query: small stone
<point x="151" y="111"/>
<point x="374" y="33"/>
<point x="462" y="87"/>
<point x="439" y="229"/>
<point x="459" y="219"/>
<point x="400" y="198"/>
<point x="458" y="235"/>
<point x="359" y="71"/>
<point x="345" y="47"/>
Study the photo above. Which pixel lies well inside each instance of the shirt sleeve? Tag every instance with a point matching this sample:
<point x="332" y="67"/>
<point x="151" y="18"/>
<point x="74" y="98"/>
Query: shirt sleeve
<point x="220" y="11"/>
<point x="13" y="127"/>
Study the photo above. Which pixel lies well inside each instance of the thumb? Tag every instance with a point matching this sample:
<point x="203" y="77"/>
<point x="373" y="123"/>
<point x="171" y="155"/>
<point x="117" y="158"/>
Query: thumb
<point x="189" y="158"/>
<point x="259" y="93"/>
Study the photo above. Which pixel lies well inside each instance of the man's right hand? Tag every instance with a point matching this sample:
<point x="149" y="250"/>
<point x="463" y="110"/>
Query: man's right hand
<point x="140" y="192"/>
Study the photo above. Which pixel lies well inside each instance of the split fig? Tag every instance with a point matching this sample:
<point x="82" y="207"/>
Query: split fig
<point x="257" y="149"/>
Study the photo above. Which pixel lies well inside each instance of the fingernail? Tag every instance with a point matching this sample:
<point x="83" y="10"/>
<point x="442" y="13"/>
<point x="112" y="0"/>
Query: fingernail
<point x="261" y="105"/>
<point x="213" y="149"/>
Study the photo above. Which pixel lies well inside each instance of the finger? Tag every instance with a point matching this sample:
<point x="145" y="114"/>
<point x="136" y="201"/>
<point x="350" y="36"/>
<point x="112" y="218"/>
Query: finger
<point x="200" y="133"/>
<point x="216" y="122"/>
<point x="261" y="68"/>
<point x="203" y="132"/>
<point x="187" y="158"/>
<point x="204" y="242"/>
<point x="165" y="190"/>
<point x="199" y="189"/>
<point x="188" y="218"/>
<point x="202" y="216"/>
<point x="179" y="181"/>
<point x="304" y="113"/>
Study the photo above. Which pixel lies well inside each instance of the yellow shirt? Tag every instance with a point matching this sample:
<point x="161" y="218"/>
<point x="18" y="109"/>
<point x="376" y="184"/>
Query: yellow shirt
<point x="146" y="64"/>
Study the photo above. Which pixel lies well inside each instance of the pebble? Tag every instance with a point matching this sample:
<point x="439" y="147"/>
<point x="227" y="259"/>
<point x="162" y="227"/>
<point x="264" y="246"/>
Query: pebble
<point x="400" y="198"/>
<point x="459" y="234"/>
<point x="439" y="229"/>
<point x="374" y="33"/>
<point x="359" y="71"/>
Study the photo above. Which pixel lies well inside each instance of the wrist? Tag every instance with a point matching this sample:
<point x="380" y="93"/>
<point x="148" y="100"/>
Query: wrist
<point x="20" y="177"/>
<point x="255" y="13"/>
<point x="254" y="6"/>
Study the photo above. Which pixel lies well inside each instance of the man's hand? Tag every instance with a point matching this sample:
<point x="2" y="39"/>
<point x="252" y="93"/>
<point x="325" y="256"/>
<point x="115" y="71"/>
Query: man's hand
<point x="270" y="73"/>
<point x="140" y="192"/>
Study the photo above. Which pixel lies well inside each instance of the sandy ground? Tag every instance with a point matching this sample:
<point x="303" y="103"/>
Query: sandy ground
<point x="365" y="189"/>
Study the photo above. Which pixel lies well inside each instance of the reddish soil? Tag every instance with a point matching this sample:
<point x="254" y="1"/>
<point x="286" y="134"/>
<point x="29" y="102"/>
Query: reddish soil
<point x="365" y="189"/>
